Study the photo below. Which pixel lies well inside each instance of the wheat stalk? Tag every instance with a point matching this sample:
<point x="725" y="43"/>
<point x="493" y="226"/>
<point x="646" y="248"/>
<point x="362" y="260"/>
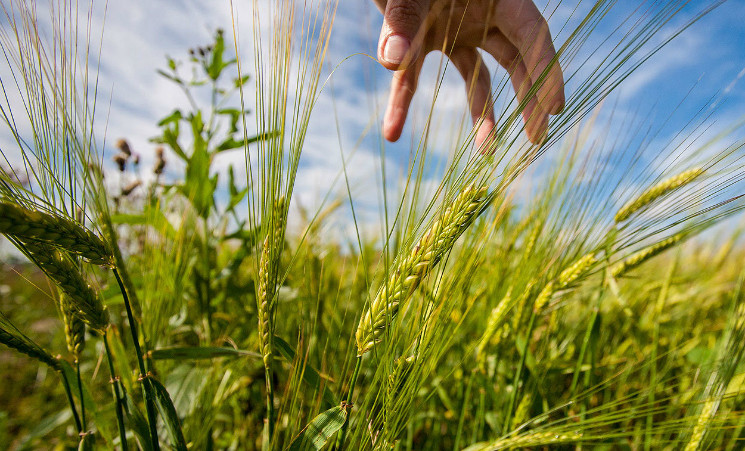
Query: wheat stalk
<point x="657" y="191"/>
<point x="414" y="267"/>
<point x="33" y="225"/>
<point x="82" y="298"/>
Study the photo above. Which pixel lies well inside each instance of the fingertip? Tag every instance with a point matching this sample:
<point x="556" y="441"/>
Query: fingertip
<point x="392" y="124"/>
<point x="394" y="51"/>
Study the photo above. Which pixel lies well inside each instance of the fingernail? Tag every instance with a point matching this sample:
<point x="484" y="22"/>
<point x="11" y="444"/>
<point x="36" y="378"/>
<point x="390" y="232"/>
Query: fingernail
<point x="395" y="49"/>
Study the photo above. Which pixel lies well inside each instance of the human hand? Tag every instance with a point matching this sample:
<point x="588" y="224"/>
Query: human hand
<point x="512" y="31"/>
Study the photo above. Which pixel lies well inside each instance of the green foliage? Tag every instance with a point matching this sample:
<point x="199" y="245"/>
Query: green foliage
<point x="513" y="330"/>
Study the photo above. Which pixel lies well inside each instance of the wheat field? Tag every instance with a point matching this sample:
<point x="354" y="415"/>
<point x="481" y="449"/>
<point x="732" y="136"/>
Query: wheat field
<point x="580" y="293"/>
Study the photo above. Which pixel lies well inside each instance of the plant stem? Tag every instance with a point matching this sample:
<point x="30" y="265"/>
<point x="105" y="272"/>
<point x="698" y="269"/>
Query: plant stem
<point x="348" y="405"/>
<point x="144" y="377"/>
<point x="117" y="394"/>
<point x="269" y="402"/>
<point x="82" y="400"/>
<point x="70" y="400"/>
<point x="518" y="375"/>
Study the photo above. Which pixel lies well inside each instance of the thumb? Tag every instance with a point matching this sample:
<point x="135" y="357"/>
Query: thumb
<point x="398" y="45"/>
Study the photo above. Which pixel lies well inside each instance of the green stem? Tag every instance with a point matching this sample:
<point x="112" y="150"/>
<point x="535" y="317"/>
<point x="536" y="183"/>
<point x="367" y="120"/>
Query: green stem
<point x="70" y="400"/>
<point x="117" y="395"/>
<point x="82" y="399"/>
<point x="518" y="375"/>
<point x="464" y="408"/>
<point x="144" y="377"/>
<point x="269" y="402"/>
<point x="348" y="405"/>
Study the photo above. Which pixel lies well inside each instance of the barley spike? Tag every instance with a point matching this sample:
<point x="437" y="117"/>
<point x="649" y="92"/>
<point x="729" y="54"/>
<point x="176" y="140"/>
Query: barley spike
<point x="74" y="326"/>
<point x="411" y="269"/>
<point x="657" y="191"/>
<point x="496" y="319"/>
<point x="29" y="225"/>
<point x="643" y="255"/>
<point x="699" y="430"/>
<point x="577" y="270"/>
<point x="268" y="279"/>
<point x="11" y="337"/>
<point x="82" y="298"/>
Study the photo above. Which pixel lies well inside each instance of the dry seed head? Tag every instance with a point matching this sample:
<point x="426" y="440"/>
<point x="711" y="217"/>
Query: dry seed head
<point x="160" y="161"/>
<point x="121" y="161"/>
<point x="127" y="190"/>
<point x="410" y="269"/>
<point x="657" y="191"/>
<point x="643" y="255"/>
<point x="123" y="146"/>
<point x="29" y="225"/>
<point x="82" y="298"/>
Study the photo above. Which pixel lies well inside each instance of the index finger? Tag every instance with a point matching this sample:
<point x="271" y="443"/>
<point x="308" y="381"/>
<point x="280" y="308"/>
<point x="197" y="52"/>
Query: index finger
<point x="523" y="25"/>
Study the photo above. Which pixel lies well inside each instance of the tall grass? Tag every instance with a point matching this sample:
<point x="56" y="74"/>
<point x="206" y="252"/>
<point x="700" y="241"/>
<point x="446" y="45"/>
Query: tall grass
<point x="490" y="313"/>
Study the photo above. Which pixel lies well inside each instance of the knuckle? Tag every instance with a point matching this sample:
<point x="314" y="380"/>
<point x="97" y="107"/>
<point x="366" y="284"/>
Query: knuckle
<point x="405" y="16"/>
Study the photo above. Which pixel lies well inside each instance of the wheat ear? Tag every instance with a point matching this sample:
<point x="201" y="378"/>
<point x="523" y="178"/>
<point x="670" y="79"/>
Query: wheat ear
<point x="11" y="337"/>
<point x="531" y="440"/>
<point x="29" y="225"/>
<point x="268" y="264"/>
<point x="82" y="298"/>
<point x="409" y="271"/>
<point x="74" y="326"/>
<point x="496" y="319"/>
<point x="699" y="430"/>
<point x="657" y="191"/>
<point x="567" y="277"/>
<point x="639" y="257"/>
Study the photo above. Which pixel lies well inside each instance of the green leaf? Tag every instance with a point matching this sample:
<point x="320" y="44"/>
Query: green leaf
<point x="171" y="118"/>
<point x="241" y="81"/>
<point x="311" y="376"/>
<point x="137" y="423"/>
<point x="169" y="415"/>
<point x="199" y="353"/>
<point x="215" y="67"/>
<point x="229" y="144"/>
<point x="316" y="433"/>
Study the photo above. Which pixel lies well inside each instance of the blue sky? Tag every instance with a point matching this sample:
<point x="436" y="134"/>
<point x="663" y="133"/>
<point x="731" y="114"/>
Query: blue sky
<point x="699" y="73"/>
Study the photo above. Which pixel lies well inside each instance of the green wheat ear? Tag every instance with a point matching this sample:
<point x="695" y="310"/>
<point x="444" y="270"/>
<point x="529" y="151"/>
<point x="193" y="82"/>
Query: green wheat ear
<point x="414" y="267"/>
<point x="11" y="337"/>
<point x="29" y="225"/>
<point x="657" y="191"/>
<point x="74" y="326"/>
<point x="82" y="299"/>
<point x="643" y="255"/>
